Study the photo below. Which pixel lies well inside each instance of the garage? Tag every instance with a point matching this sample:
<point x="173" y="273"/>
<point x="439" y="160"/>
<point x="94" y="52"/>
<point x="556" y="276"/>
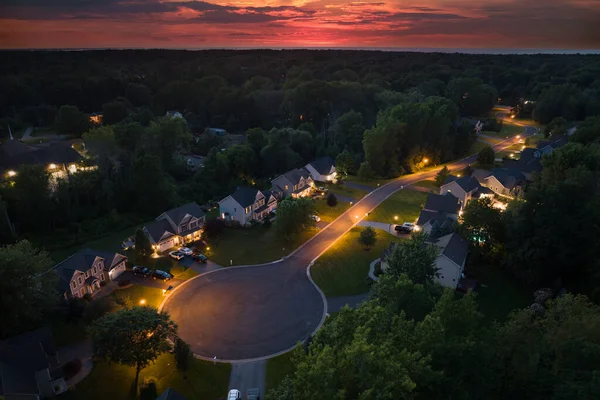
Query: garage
<point x="167" y="244"/>
<point x="116" y="271"/>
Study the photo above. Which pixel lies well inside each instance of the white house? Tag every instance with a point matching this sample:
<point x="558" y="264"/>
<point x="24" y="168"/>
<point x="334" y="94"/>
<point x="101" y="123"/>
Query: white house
<point x="175" y="227"/>
<point x="322" y="170"/>
<point x="463" y="188"/>
<point x="295" y="183"/>
<point x="247" y="204"/>
<point x="450" y="262"/>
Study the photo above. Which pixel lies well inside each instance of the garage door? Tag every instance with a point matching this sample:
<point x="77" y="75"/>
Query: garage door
<point x="116" y="271"/>
<point x="167" y="244"/>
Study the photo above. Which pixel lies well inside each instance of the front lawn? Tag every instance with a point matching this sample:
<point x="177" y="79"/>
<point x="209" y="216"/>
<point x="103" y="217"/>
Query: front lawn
<point x="343" y="269"/>
<point x="277" y="369"/>
<point x="346" y="191"/>
<point x="372" y="182"/>
<point x="203" y="380"/>
<point x="254" y="245"/>
<point x="428" y="184"/>
<point x="135" y="294"/>
<point x="404" y="204"/>
<point x="328" y="214"/>
<point x="498" y="293"/>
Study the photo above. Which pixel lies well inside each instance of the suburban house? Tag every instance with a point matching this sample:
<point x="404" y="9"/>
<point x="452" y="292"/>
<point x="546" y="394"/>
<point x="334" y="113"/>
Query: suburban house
<point x="450" y="261"/>
<point x="527" y="163"/>
<point x="29" y="367"/>
<point x="83" y="272"/>
<point x="96" y="118"/>
<point x="57" y="157"/>
<point x="174" y="114"/>
<point x="545" y="147"/>
<point x="294" y="183"/>
<point x="247" y="204"/>
<point x="463" y="188"/>
<point x="438" y="209"/>
<point x="322" y="170"/>
<point x="502" y="181"/>
<point x="176" y="227"/>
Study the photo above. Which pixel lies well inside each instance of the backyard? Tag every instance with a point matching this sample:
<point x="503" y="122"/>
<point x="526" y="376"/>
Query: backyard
<point x="343" y="269"/>
<point x="203" y="380"/>
<point x="404" y="204"/>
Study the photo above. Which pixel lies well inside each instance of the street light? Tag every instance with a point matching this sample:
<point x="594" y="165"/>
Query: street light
<point x="12" y="173"/>
<point x="208" y="248"/>
<point x="425" y="160"/>
<point x="52" y="166"/>
<point x="142" y="302"/>
<point x="396" y="217"/>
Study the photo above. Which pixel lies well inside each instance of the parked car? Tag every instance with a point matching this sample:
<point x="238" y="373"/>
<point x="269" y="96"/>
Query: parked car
<point x="176" y="255"/>
<point x="142" y="271"/>
<point x="185" y="251"/>
<point x="316" y="218"/>
<point x="200" y="258"/>
<point x="322" y="189"/>
<point x="128" y="244"/>
<point x="162" y="275"/>
<point x="409" y="225"/>
<point x="402" y="229"/>
<point x="234" y="394"/>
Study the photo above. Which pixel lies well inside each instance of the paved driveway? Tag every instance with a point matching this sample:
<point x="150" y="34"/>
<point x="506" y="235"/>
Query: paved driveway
<point x="148" y="281"/>
<point x="255" y="311"/>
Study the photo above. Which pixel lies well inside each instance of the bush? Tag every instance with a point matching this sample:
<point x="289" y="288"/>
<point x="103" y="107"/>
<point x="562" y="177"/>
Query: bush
<point x="183" y="354"/>
<point x="75" y="309"/>
<point x="71" y="368"/>
<point x="367" y="237"/>
<point x="98" y="308"/>
<point x="331" y="200"/>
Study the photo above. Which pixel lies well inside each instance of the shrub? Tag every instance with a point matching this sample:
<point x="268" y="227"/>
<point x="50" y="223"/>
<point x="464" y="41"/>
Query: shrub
<point x="183" y="354"/>
<point x="98" y="308"/>
<point x="331" y="200"/>
<point x="367" y="237"/>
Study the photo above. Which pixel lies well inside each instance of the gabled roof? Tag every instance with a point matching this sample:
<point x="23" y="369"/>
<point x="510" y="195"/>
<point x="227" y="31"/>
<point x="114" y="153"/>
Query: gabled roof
<point x="508" y="177"/>
<point x="444" y="203"/>
<point x="245" y="196"/>
<point x="178" y="214"/>
<point x="467" y="183"/>
<point x="481" y="175"/>
<point x="82" y="261"/>
<point x="294" y="176"/>
<point x="157" y="229"/>
<point x="431" y="216"/>
<point x="14" y="153"/>
<point x="454" y="247"/>
<point x="170" y="394"/>
<point x="323" y="165"/>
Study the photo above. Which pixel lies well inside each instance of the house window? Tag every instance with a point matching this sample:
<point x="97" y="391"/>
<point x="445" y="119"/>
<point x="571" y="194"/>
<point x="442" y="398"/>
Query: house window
<point x="80" y="280"/>
<point x="102" y="276"/>
<point x="82" y="292"/>
<point x="287" y="187"/>
<point x="94" y="269"/>
<point x="73" y="284"/>
<point x="182" y="227"/>
<point x="87" y="273"/>
<point x="193" y="224"/>
<point x="234" y="209"/>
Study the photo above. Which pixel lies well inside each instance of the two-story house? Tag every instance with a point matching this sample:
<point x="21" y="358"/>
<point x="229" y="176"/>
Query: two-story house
<point x="322" y="170"/>
<point x="175" y="227"/>
<point x="247" y="204"/>
<point x="502" y="181"/>
<point x="463" y="188"/>
<point x="438" y="209"/>
<point x="83" y="272"/>
<point x="294" y="183"/>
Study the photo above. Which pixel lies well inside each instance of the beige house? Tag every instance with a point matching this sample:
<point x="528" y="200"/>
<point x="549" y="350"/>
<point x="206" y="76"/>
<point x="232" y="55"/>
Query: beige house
<point x="464" y="188"/>
<point x="84" y="271"/>
<point x="247" y="204"/>
<point x="294" y="183"/>
<point x="176" y="227"/>
<point x="322" y="169"/>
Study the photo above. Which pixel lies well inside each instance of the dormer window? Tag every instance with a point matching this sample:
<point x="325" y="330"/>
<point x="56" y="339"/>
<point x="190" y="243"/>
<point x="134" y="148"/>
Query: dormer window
<point x="182" y="227"/>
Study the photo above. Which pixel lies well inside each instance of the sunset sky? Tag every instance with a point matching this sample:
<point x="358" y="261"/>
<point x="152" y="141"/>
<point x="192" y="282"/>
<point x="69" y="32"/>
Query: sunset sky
<point x="539" y="24"/>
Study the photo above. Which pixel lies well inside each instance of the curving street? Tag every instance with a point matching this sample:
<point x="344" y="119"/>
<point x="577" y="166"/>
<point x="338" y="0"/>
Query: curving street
<point x="251" y="312"/>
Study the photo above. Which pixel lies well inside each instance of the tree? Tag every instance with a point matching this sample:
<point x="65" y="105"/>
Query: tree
<point x="151" y="182"/>
<point x="294" y="216"/>
<point x="114" y="112"/>
<point x="331" y="200"/>
<point x="415" y="258"/>
<point x="70" y="121"/>
<point x="484" y="226"/>
<point x="486" y="157"/>
<point x="133" y="337"/>
<point x="367" y="237"/>
<point x="242" y="161"/>
<point x="348" y="131"/>
<point x="256" y="139"/>
<point x="183" y="354"/>
<point x="345" y="163"/>
<point x="556" y="127"/>
<point x="22" y="266"/>
<point x="442" y="175"/>
<point x="143" y="247"/>
<point x="588" y="131"/>
<point x="169" y="135"/>
<point x="365" y="170"/>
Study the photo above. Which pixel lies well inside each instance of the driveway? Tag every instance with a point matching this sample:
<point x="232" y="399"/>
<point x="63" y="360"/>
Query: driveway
<point x="248" y="375"/>
<point x="250" y="312"/>
<point x="148" y="281"/>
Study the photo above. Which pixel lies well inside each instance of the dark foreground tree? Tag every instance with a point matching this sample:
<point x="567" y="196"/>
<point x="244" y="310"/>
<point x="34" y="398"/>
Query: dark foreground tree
<point x="442" y="175"/>
<point x="367" y="237"/>
<point x="331" y="200"/>
<point x="415" y="258"/>
<point x="143" y="247"/>
<point x="486" y="157"/>
<point x="133" y="337"/>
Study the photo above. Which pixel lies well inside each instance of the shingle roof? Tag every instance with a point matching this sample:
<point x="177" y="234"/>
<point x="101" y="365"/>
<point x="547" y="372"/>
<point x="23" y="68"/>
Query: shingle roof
<point x="295" y="175"/>
<point x="82" y="261"/>
<point x="443" y="203"/>
<point x="481" y="175"/>
<point x="431" y="216"/>
<point x="178" y="214"/>
<point x="245" y="196"/>
<point x="156" y="229"/>
<point x="13" y="153"/>
<point x="454" y="247"/>
<point x="468" y="183"/>
<point x="170" y="394"/>
<point x="508" y="177"/>
<point x="323" y="165"/>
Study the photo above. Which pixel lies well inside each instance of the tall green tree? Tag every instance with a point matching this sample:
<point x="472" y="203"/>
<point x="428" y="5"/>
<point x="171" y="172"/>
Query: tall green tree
<point x="134" y="337"/>
<point x="442" y="175"/>
<point x="143" y="247"/>
<point x="484" y="226"/>
<point x="414" y="258"/>
<point x="348" y="131"/>
<point x="345" y="163"/>
<point x="27" y="289"/>
<point x="294" y="216"/>
<point x="486" y="157"/>
<point x="151" y="182"/>
<point x="70" y="121"/>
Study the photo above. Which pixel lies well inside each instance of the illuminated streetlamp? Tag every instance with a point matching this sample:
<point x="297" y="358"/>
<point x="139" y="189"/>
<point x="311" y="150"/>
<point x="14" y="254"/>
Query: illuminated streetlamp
<point x="142" y="302"/>
<point x="425" y="160"/>
<point x="396" y="217"/>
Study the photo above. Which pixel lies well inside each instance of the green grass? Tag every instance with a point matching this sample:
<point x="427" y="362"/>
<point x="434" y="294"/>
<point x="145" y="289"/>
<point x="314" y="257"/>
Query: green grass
<point x="372" y="182"/>
<point x="134" y="294"/>
<point x="405" y="204"/>
<point x="328" y="214"/>
<point x="429" y="184"/>
<point x="346" y="191"/>
<point x="343" y="269"/>
<point x="277" y="369"/>
<point x="255" y="245"/>
<point x="203" y="380"/>
<point x="498" y="292"/>
<point x="535" y="139"/>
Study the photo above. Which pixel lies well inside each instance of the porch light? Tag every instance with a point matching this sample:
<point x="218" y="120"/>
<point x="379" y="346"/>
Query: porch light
<point x="396" y="217"/>
<point x="12" y="173"/>
<point x="52" y="166"/>
<point x="458" y="175"/>
<point x="425" y="160"/>
<point x="142" y="302"/>
<point x="208" y="248"/>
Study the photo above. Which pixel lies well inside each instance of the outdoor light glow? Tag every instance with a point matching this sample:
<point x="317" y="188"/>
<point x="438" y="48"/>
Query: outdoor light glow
<point x="12" y="173"/>
<point x="142" y="302"/>
<point x="52" y="166"/>
<point x="356" y="216"/>
<point x="208" y="248"/>
<point x="458" y="175"/>
<point x="396" y="217"/>
<point x="518" y="136"/>
<point x="164" y="291"/>
<point x="512" y="116"/>
<point x="425" y="160"/>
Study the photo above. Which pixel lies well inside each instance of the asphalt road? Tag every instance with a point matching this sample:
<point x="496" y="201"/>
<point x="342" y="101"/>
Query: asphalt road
<point x="252" y="312"/>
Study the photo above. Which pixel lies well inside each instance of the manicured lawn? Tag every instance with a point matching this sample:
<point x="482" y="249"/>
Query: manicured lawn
<point x="532" y="141"/>
<point x="203" y="380"/>
<point x="346" y="191"/>
<point x="328" y="214"/>
<point x="277" y="369"/>
<point x="405" y="204"/>
<point x="498" y="292"/>
<point x="429" y="184"/>
<point x="255" y="245"/>
<point x="136" y="293"/>
<point x="343" y="269"/>
<point x="477" y="146"/>
<point x="366" y="181"/>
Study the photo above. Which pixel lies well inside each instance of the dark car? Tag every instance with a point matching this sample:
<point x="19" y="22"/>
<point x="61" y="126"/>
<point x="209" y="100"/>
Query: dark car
<point x="401" y="229"/>
<point x="142" y="271"/>
<point x="162" y="275"/>
<point x="200" y="258"/>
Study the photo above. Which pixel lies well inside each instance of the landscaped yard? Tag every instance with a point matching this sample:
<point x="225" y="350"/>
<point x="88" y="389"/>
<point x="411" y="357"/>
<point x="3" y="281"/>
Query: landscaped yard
<point x="428" y="184"/>
<point x="136" y="293"/>
<point x="499" y="293"/>
<point x="328" y="214"/>
<point x="203" y="380"/>
<point x="255" y="245"/>
<point x="346" y="191"/>
<point x="404" y="204"/>
<point x="374" y="183"/>
<point x="343" y="269"/>
<point x="277" y="369"/>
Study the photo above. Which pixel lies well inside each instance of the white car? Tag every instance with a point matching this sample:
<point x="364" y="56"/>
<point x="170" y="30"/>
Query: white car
<point x="316" y="218"/>
<point x="234" y="394"/>
<point x="409" y="225"/>
<point x="185" y="251"/>
<point x="176" y="255"/>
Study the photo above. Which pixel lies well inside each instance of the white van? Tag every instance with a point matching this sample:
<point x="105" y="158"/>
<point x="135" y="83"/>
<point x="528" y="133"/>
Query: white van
<point x="234" y="394"/>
